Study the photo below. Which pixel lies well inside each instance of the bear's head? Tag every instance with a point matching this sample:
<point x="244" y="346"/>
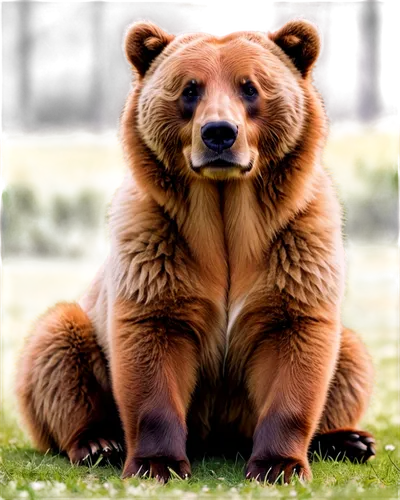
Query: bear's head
<point x="220" y="108"/>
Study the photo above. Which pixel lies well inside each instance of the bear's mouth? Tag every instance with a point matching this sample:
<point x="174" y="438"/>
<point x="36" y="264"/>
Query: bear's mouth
<point x="222" y="168"/>
<point x="223" y="164"/>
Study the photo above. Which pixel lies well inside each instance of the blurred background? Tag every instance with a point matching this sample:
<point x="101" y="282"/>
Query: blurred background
<point x="64" y="84"/>
<point x="65" y="81"/>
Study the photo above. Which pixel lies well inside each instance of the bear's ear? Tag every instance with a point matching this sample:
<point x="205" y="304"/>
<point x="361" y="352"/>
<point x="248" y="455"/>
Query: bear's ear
<point x="300" y="41"/>
<point x="143" y="43"/>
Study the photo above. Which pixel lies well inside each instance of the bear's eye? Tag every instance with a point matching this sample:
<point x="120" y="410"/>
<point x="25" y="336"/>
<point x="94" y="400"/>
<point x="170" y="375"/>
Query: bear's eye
<point x="192" y="92"/>
<point x="249" y="91"/>
<point x="191" y="95"/>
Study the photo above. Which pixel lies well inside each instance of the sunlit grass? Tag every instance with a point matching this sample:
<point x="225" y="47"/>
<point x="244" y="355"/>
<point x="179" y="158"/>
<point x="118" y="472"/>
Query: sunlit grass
<point x="347" y="151"/>
<point x="64" y="164"/>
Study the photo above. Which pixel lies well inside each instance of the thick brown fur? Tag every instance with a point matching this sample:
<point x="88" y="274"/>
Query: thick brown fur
<point x="216" y="317"/>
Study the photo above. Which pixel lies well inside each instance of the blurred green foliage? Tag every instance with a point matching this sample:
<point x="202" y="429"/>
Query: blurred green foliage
<point x="36" y="221"/>
<point x="373" y="216"/>
<point x="59" y="227"/>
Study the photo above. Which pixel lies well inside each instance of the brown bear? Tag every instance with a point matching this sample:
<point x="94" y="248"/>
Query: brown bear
<point x="214" y="325"/>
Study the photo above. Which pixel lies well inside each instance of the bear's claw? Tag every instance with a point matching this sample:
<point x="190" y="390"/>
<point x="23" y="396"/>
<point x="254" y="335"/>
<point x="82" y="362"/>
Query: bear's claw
<point x="87" y="452"/>
<point x="275" y="469"/>
<point x="158" y="468"/>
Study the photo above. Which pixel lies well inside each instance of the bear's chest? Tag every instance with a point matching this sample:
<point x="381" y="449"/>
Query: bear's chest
<point x="246" y="238"/>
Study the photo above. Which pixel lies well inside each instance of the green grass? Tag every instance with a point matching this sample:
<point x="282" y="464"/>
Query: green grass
<point x="370" y="307"/>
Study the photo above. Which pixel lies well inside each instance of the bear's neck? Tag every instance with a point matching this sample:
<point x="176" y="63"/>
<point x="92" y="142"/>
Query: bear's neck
<point x="233" y="222"/>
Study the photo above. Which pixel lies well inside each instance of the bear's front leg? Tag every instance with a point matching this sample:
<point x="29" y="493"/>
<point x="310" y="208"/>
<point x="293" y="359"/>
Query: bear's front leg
<point x="288" y="380"/>
<point x="154" y="361"/>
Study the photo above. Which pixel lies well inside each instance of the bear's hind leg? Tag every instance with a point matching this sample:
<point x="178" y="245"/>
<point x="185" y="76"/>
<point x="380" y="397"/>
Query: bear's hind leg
<point x="338" y="436"/>
<point x="63" y="388"/>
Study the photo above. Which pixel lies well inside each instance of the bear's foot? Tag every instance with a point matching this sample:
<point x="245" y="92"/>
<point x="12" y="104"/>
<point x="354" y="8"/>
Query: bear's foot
<point x="357" y="446"/>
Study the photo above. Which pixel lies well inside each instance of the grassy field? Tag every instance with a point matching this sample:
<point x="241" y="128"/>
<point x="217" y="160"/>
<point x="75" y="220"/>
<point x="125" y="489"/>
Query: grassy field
<point x="68" y="161"/>
<point x="370" y="307"/>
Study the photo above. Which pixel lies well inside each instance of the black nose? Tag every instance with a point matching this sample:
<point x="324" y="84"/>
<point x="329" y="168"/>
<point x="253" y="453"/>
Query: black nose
<point x="219" y="135"/>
